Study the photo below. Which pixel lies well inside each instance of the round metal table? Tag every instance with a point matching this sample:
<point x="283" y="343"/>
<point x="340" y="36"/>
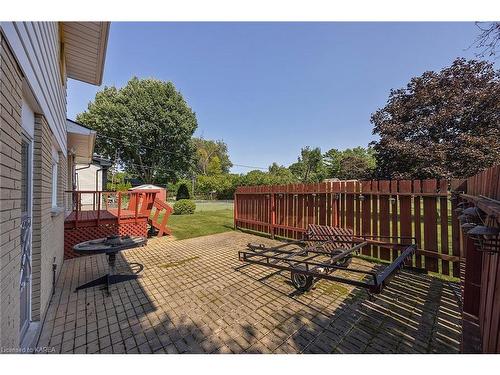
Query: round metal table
<point x="111" y="246"/>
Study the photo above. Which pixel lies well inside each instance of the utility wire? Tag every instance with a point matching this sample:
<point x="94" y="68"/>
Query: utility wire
<point x="249" y="166"/>
<point x="165" y="151"/>
<point x="134" y="144"/>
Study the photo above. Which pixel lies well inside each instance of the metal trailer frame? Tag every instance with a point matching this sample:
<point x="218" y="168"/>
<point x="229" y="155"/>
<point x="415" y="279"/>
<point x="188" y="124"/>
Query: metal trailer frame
<point x="300" y="258"/>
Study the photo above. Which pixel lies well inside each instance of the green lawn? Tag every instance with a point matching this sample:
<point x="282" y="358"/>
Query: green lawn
<point x="201" y="223"/>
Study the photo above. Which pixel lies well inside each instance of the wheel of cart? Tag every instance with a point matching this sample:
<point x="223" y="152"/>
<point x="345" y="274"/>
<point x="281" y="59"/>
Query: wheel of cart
<point x="300" y="280"/>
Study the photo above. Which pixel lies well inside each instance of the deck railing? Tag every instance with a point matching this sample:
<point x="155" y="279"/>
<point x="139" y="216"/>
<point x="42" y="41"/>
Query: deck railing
<point x="139" y="202"/>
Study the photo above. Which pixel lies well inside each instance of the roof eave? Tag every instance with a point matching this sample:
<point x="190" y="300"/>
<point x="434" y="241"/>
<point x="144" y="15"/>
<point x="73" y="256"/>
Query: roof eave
<point x="85" y="48"/>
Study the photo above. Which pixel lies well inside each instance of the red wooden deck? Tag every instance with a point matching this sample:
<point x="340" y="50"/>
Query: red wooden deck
<point x="131" y="218"/>
<point x="101" y="217"/>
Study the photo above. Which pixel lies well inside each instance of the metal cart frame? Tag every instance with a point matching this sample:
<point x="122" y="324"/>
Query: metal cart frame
<point x="325" y="250"/>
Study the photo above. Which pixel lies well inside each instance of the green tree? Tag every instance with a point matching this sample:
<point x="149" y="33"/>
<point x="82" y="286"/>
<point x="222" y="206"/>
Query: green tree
<point x="256" y="177"/>
<point x="209" y="152"/>
<point x="214" y="166"/>
<point x="223" y="185"/>
<point x="145" y="126"/>
<point x="332" y="159"/>
<point x="182" y="192"/>
<point x="280" y="175"/>
<point x="309" y="166"/>
<point x="356" y="163"/>
<point x="443" y="124"/>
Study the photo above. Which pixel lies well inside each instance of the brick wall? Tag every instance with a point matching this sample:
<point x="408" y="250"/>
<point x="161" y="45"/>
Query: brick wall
<point x="48" y="228"/>
<point x="10" y="194"/>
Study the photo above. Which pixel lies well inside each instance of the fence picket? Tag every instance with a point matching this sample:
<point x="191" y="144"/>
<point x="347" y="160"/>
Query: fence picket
<point x="444" y="216"/>
<point x="405" y="215"/>
<point x="417" y="211"/>
<point x="366" y="187"/>
<point x="384" y="216"/>
<point x="430" y="224"/>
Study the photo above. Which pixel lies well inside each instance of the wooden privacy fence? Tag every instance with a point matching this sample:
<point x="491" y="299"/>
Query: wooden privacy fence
<point x="419" y="208"/>
<point x="423" y="209"/>
<point x="482" y="269"/>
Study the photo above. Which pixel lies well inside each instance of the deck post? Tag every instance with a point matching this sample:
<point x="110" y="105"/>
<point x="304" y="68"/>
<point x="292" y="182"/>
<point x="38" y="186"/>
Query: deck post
<point x="78" y="198"/>
<point x="119" y="205"/>
<point x="98" y="207"/>
<point x="137" y="198"/>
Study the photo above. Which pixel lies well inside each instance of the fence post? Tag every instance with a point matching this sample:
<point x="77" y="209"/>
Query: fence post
<point x="235" y="210"/>
<point x="272" y="212"/>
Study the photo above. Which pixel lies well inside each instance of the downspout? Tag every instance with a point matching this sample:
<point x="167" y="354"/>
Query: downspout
<point x="54" y="270"/>
<point x="75" y="187"/>
<point x="79" y="169"/>
<point x="97" y="179"/>
<point x="104" y="178"/>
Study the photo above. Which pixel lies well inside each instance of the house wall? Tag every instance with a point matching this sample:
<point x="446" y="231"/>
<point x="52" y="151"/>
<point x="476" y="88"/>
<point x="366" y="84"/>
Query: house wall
<point x="40" y="75"/>
<point x="10" y="195"/>
<point x="36" y="46"/>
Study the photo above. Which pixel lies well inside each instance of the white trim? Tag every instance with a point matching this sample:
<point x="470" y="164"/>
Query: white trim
<point x="28" y="119"/>
<point x="54" y="184"/>
<point x="55" y="155"/>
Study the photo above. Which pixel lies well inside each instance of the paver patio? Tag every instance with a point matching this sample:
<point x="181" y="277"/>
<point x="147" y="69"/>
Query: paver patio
<point x="194" y="297"/>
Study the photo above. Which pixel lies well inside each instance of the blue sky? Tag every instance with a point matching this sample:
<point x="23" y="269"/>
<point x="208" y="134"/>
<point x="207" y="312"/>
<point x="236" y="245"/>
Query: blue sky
<point x="268" y="89"/>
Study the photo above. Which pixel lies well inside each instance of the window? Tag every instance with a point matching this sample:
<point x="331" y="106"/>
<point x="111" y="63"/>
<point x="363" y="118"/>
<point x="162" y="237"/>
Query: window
<point x="25" y="177"/>
<point x="54" y="184"/>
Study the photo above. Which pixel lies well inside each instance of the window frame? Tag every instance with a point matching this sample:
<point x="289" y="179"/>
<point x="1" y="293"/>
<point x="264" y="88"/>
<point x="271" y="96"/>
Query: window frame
<point x="54" y="177"/>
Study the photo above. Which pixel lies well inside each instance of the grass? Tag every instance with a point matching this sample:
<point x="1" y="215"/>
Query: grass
<point x="201" y="223"/>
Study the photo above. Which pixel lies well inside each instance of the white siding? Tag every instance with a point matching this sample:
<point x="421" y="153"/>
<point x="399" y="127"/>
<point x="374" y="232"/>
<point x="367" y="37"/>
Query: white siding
<point x="36" y="47"/>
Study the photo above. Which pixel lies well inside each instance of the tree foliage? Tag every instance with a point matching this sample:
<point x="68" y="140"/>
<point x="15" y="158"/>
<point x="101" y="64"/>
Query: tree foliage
<point x="442" y="124"/>
<point x="353" y="163"/>
<point x="309" y="166"/>
<point x="221" y="186"/>
<point x="117" y="181"/>
<point x="212" y="157"/>
<point x="280" y="175"/>
<point x="146" y="126"/>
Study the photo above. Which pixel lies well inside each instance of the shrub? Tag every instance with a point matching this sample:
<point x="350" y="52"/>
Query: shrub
<point x="182" y="192"/>
<point x="184" y="207"/>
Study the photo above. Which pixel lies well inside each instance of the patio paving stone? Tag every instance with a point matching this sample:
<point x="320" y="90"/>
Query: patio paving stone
<point x="195" y="297"/>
